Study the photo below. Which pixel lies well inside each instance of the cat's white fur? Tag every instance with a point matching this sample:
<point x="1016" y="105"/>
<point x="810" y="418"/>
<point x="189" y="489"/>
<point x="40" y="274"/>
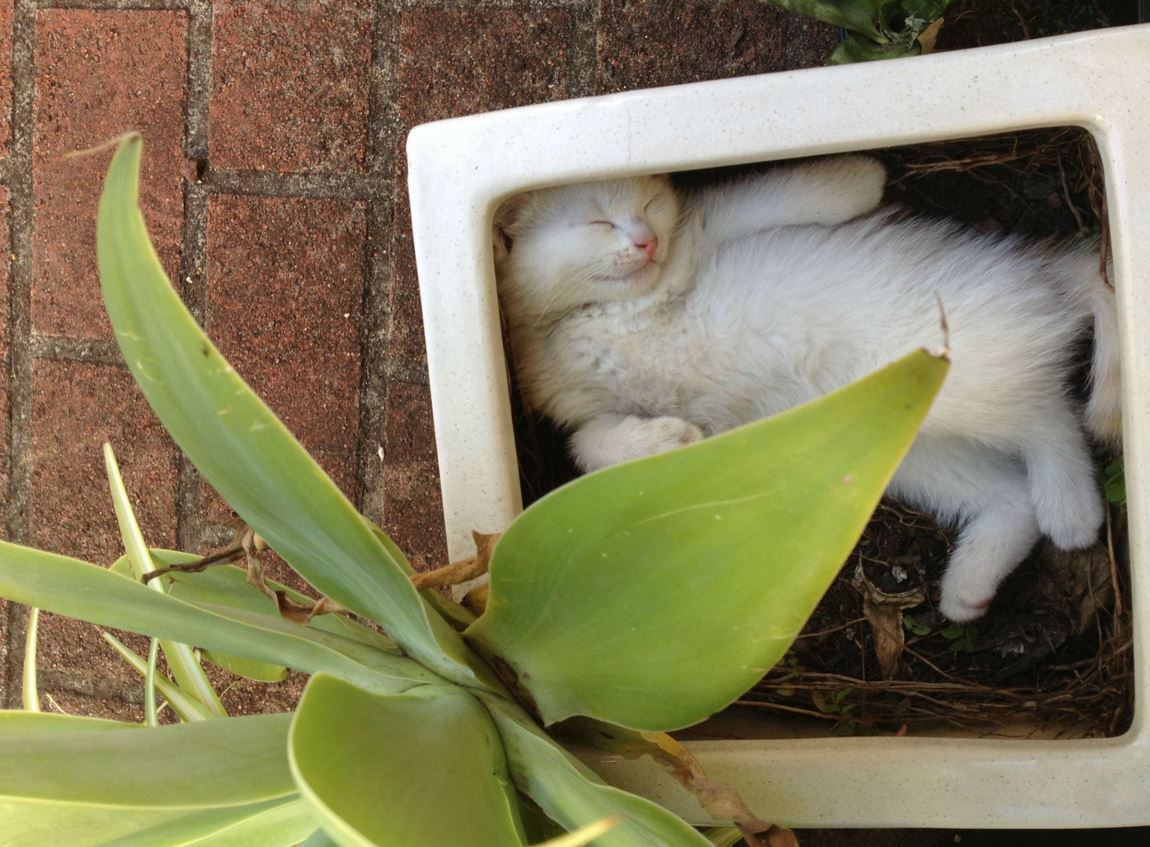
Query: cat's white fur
<point x="757" y="296"/>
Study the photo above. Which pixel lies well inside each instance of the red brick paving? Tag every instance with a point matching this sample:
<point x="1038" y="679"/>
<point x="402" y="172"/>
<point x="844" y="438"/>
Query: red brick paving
<point x="285" y="290"/>
<point x="5" y="77"/>
<point x="100" y="74"/>
<point x="4" y="253"/>
<point x="272" y="111"/>
<point x="649" y="43"/>
<point x="317" y="97"/>
<point x="75" y="407"/>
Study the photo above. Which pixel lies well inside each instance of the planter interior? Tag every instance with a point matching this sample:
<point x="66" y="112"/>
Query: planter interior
<point x="460" y="170"/>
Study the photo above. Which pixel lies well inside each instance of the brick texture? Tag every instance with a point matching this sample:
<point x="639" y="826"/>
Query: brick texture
<point x="456" y="62"/>
<point x="290" y="83"/>
<point x="5" y="76"/>
<point x="75" y="408"/>
<point x="646" y="43"/>
<point x="100" y="74"/>
<point x="413" y="508"/>
<point x="285" y="290"/>
<point x="4" y="439"/>
<point x="4" y="256"/>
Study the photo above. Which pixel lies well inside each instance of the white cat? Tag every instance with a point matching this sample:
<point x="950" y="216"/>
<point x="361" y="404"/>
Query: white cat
<point x="642" y="322"/>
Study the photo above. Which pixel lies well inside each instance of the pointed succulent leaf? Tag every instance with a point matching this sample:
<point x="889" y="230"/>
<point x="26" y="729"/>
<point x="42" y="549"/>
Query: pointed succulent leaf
<point x="186" y="706"/>
<point x="422" y="768"/>
<point x="29" y="686"/>
<point x="856" y="15"/>
<point x="652" y="594"/>
<point x="283" y="823"/>
<point x="185" y="667"/>
<point x="227" y="585"/>
<point x="855" y="48"/>
<point x="572" y="795"/>
<point x="241" y="447"/>
<point x="81" y="782"/>
<point x="89" y="593"/>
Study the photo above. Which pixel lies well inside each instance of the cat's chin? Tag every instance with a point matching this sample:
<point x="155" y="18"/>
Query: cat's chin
<point x="640" y="281"/>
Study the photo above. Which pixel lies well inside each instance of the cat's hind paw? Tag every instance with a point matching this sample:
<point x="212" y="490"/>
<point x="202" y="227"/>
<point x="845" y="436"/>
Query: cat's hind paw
<point x="961" y="610"/>
<point x="1073" y="519"/>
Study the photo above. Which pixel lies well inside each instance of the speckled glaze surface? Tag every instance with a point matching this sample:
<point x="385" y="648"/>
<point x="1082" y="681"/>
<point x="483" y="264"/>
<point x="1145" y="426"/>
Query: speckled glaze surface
<point x="459" y="170"/>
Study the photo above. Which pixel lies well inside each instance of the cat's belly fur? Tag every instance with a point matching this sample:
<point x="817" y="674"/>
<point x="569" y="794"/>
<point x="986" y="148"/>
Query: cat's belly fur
<point x="764" y="329"/>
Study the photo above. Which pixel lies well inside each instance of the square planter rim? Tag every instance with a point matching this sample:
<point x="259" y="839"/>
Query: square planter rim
<point x="460" y="169"/>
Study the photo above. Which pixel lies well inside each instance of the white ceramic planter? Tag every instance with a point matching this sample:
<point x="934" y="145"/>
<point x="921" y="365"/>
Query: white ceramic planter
<point x="460" y="169"/>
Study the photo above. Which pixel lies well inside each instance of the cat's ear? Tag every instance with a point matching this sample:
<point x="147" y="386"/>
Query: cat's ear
<point x="505" y="218"/>
<point x="509" y="211"/>
<point x="504" y="225"/>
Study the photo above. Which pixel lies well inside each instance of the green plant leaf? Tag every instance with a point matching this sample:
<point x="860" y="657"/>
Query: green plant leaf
<point x="232" y="762"/>
<point x="243" y="449"/>
<point x="185" y="705"/>
<point x="274" y="824"/>
<point x="29" y="688"/>
<point x="227" y="585"/>
<point x="724" y="836"/>
<point x="572" y="795"/>
<point x="79" y="781"/>
<point x="421" y="768"/>
<point x="319" y="838"/>
<point x="37" y="825"/>
<point x="186" y="669"/>
<point x="856" y="15"/>
<point x="856" y="48"/>
<point x="1115" y="485"/>
<point x="89" y="593"/>
<point x="652" y="594"/>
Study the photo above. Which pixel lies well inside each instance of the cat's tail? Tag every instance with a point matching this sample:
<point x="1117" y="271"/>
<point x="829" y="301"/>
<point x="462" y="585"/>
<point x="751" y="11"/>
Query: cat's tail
<point x="1104" y="408"/>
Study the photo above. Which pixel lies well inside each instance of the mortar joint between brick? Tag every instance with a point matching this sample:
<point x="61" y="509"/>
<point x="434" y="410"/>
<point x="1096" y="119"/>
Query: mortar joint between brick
<point x="382" y="122"/>
<point x="20" y="206"/>
<point x="192" y="284"/>
<point x="198" y="84"/>
<point x="307" y="185"/>
<point x="114" y="5"/>
<point x="66" y="349"/>
<point x="373" y="384"/>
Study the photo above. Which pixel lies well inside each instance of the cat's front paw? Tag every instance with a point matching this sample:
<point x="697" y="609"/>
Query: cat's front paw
<point x="667" y="433"/>
<point x="608" y="441"/>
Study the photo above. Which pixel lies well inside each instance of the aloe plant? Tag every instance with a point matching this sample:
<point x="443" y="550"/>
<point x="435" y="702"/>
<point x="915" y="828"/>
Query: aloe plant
<point x="877" y="29"/>
<point x="431" y="729"/>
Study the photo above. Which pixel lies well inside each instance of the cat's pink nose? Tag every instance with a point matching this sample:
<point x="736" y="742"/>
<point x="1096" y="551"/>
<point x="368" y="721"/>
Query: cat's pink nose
<point x="649" y="245"/>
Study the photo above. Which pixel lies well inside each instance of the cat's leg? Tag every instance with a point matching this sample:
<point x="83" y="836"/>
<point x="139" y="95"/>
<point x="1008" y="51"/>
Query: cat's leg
<point x="986" y="492"/>
<point x="1061" y="474"/>
<point x="610" y="439"/>
<point x="826" y="191"/>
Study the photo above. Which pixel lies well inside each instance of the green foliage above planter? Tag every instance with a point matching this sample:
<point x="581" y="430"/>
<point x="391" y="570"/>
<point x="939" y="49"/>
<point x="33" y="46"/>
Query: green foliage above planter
<point x="650" y="595"/>
<point x="877" y="29"/>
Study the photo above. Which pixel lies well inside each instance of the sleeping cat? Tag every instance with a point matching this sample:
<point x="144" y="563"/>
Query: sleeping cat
<point x="642" y="321"/>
